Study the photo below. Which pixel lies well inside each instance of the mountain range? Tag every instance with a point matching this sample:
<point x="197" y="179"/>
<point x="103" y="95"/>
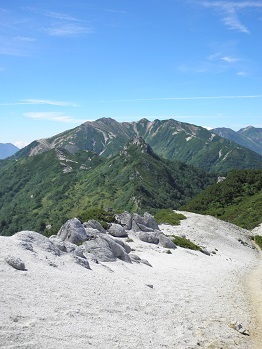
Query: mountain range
<point x="249" y="137"/>
<point x="7" y="149"/>
<point x="171" y="139"/>
<point x="53" y="186"/>
<point x="137" y="166"/>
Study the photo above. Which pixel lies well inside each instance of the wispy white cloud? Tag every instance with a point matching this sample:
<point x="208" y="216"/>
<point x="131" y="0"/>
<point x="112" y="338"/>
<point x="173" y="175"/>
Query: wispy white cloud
<point x="229" y="59"/>
<point x="25" y="38"/>
<point x="49" y="102"/>
<point x="60" y="16"/>
<point x="42" y="102"/>
<point x="208" y="127"/>
<point x="182" y="98"/>
<point x="242" y="73"/>
<point x="63" y="24"/>
<point x="53" y="116"/>
<point x="68" y="29"/>
<point x="21" y="144"/>
<point x="229" y="11"/>
<point x="219" y="57"/>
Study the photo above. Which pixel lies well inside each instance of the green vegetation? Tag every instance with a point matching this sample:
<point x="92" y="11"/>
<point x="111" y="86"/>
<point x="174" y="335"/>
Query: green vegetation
<point x="193" y="145"/>
<point x="185" y="243"/>
<point x="238" y="199"/>
<point x="258" y="240"/>
<point x="168" y="216"/>
<point x="104" y="217"/>
<point x="34" y="191"/>
<point x="40" y="193"/>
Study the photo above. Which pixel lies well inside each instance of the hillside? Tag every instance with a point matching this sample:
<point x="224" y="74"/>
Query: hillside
<point x="249" y="137"/>
<point x="51" y="187"/>
<point x="171" y="139"/>
<point x="7" y="149"/>
<point x="33" y="190"/>
<point x="238" y="199"/>
<point x="137" y="179"/>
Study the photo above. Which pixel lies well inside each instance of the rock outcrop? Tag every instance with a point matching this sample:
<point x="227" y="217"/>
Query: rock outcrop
<point x="145" y="223"/>
<point x="73" y="231"/>
<point x="117" y="230"/>
<point x="106" y="249"/>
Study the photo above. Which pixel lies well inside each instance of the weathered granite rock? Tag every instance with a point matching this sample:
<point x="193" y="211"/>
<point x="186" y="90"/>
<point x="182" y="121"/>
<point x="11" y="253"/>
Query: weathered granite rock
<point x="106" y="249"/>
<point x="152" y="238"/>
<point x="91" y="233"/>
<point x="58" y="243"/>
<point x="70" y="247"/>
<point x="136" y="259"/>
<point x="15" y="262"/>
<point x="26" y="246"/>
<point x="36" y="239"/>
<point x="126" y="247"/>
<point x="150" y="221"/>
<point x="94" y="225"/>
<point x="79" y="252"/>
<point x="166" y="242"/>
<point x="73" y="231"/>
<point x="145" y="223"/>
<point x="82" y="261"/>
<point x="125" y="219"/>
<point x="117" y="230"/>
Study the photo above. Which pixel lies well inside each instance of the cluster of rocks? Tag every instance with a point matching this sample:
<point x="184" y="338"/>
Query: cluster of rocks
<point x="91" y="242"/>
<point x="108" y="246"/>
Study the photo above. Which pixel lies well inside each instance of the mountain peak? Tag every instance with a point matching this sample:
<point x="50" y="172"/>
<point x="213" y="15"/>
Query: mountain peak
<point x="140" y="144"/>
<point x="246" y="129"/>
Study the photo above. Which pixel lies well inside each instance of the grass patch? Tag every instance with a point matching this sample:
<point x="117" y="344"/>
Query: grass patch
<point x="185" y="243"/>
<point x="168" y="216"/>
<point x="100" y="215"/>
<point x="258" y="241"/>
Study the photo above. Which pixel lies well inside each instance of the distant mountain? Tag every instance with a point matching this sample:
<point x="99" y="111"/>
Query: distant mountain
<point x="249" y="137"/>
<point x="171" y="139"/>
<point x="55" y="185"/>
<point x="7" y="149"/>
<point x="237" y="199"/>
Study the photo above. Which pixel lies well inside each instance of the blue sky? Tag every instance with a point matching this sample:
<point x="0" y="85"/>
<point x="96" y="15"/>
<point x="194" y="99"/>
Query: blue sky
<point x="65" y="62"/>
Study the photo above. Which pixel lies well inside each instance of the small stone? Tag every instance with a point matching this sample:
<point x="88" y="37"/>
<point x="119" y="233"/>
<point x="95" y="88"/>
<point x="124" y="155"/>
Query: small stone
<point x="15" y="262"/>
<point x="150" y="286"/>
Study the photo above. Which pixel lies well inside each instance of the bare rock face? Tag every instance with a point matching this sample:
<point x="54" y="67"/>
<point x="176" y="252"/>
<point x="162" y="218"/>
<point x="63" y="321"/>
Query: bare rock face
<point x="32" y="238"/>
<point x="145" y="223"/>
<point x="15" y="262"/>
<point x="136" y="259"/>
<point x="73" y="231"/>
<point x="93" y="224"/>
<point x="152" y="238"/>
<point x="166" y="242"/>
<point x="126" y="247"/>
<point x="117" y="230"/>
<point x="106" y="249"/>
<point x="125" y="219"/>
<point x="81" y="261"/>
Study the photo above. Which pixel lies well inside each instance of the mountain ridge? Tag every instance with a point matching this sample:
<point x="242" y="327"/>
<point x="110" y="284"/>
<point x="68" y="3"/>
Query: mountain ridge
<point x="7" y="149"/>
<point x="53" y="186"/>
<point x="171" y="139"/>
<point x="249" y="137"/>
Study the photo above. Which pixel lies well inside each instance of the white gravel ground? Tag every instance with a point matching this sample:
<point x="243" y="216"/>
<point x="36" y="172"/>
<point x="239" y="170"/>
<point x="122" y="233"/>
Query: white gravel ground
<point x="186" y="300"/>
